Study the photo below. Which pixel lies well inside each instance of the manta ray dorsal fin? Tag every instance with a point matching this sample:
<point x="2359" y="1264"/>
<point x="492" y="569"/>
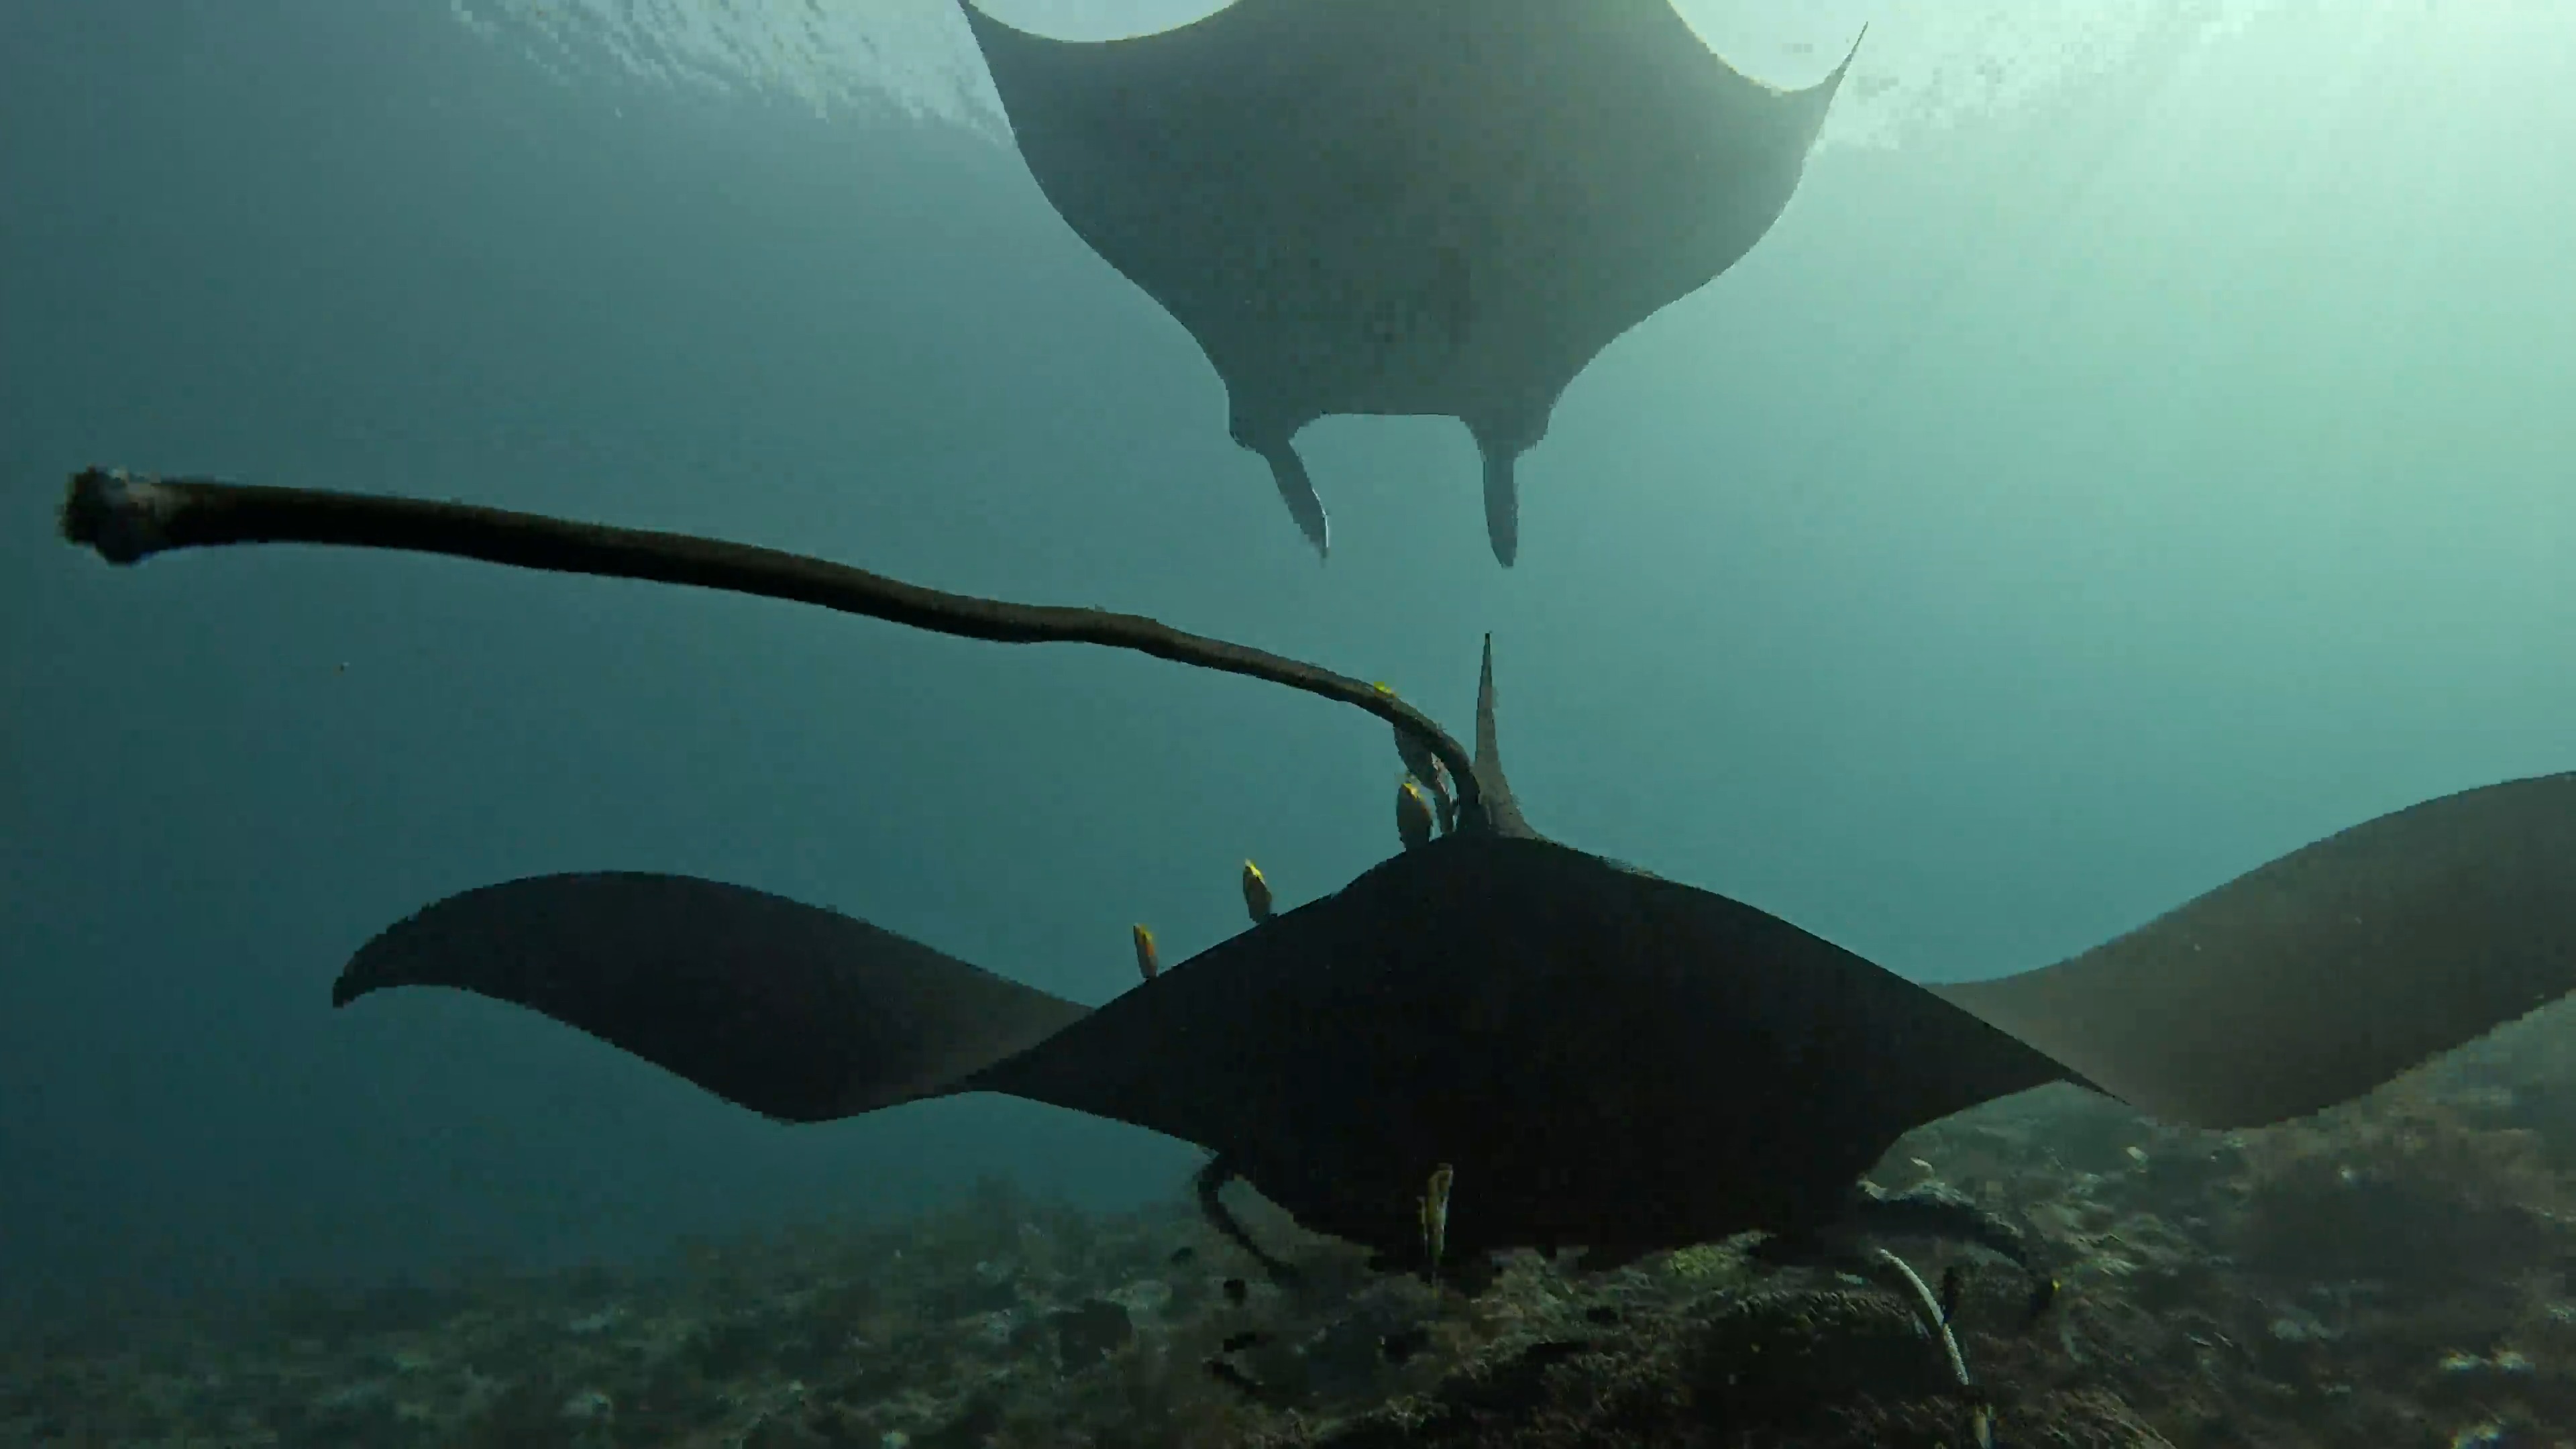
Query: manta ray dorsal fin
<point x="1500" y="807"/>
<point x="799" y="1013"/>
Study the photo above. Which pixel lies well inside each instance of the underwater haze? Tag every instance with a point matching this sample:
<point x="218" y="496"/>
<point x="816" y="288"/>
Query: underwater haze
<point x="2141" y="448"/>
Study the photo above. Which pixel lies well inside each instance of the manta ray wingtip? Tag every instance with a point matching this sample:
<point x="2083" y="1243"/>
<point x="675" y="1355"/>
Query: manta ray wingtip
<point x="372" y="969"/>
<point x="1833" y="83"/>
<point x="1834" y="77"/>
<point x="1818" y="98"/>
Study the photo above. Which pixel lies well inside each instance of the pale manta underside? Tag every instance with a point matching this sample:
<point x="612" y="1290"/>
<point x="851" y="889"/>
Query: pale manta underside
<point x="1602" y="1057"/>
<point x="1440" y="207"/>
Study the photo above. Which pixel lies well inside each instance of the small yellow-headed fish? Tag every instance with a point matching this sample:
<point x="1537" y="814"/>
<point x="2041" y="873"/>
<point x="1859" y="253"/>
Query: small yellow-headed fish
<point x="1146" y="961"/>
<point x="1256" y="893"/>
<point x="1425" y="767"/>
<point x="1435" y="1218"/>
<point x="1412" y="815"/>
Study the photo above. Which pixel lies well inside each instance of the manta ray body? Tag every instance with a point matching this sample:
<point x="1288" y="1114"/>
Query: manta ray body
<point x="1442" y="207"/>
<point x="1561" y="1049"/>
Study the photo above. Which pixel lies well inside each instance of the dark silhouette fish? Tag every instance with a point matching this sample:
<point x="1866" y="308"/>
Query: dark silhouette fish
<point x="1406" y="206"/>
<point x="1491" y="1040"/>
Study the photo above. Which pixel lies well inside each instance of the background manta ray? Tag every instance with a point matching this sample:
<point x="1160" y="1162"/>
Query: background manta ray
<point x="1594" y="1055"/>
<point x="1406" y="206"/>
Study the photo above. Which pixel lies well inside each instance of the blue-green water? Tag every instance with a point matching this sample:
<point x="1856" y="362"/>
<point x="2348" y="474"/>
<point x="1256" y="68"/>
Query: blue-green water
<point x="2141" y="448"/>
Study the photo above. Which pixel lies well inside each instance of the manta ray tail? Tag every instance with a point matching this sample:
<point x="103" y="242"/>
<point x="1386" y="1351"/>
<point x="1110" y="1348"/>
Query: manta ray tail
<point x="1500" y="808"/>
<point x="796" y="1012"/>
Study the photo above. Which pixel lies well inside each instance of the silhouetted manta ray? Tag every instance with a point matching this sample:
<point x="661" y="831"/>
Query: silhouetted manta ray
<point x="1406" y="206"/>
<point x="1602" y="1057"/>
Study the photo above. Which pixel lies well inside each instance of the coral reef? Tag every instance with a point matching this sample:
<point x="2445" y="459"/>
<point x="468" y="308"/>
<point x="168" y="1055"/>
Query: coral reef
<point x="2398" y="1272"/>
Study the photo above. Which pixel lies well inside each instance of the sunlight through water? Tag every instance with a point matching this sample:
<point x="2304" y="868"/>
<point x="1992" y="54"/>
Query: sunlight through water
<point x="1928" y="63"/>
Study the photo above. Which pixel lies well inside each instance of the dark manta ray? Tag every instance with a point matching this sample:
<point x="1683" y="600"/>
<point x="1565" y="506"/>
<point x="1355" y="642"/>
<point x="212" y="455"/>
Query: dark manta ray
<point x="1406" y="206"/>
<point x="1590" y="1054"/>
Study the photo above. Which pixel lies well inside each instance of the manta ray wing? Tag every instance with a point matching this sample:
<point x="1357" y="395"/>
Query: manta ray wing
<point x="2323" y="974"/>
<point x="796" y="1012"/>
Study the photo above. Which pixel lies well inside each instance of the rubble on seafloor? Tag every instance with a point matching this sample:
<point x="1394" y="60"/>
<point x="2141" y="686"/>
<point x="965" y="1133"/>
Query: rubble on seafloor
<point x="2399" y="1272"/>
